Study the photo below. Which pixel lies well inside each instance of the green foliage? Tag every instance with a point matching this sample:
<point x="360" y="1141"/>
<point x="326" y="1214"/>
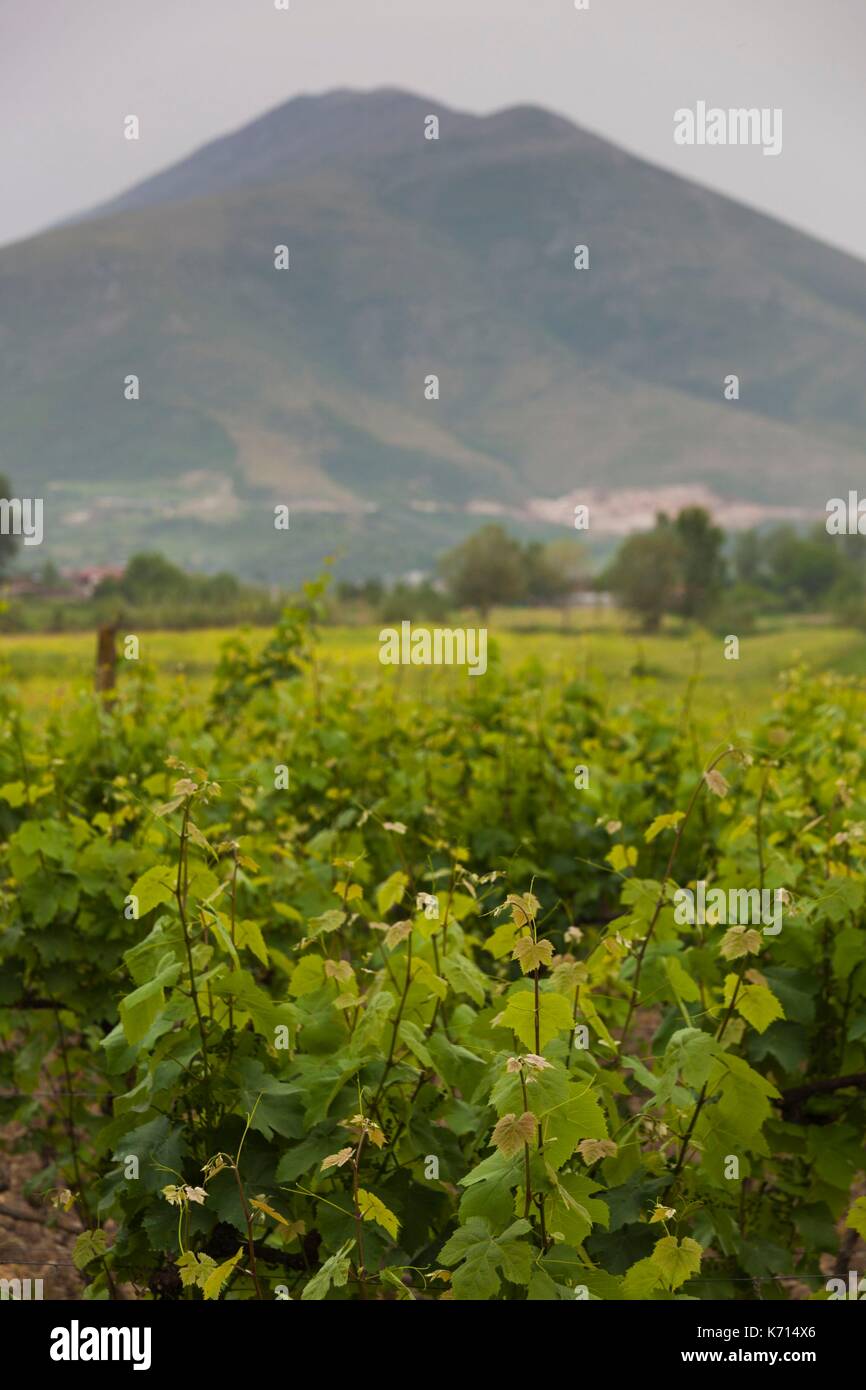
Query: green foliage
<point x="678" y="567"/>
<point x="485" y="569"/>
<point x="483" y="1257"/>
<point x="702" y="565"/>
<point x="645" y="575"/>
<point x="491" y="567"/>
<point x="8" y="541"/>
<point x="424" y="1023"/>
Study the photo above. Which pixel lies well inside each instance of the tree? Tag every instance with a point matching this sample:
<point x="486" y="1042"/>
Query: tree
<point x="372" y="590"/>
<point x="569" y="557"/>
<point x="8" y="543"/>
<point x="413" y="602"/>
<point x="149" y="578"/>
<point x="486" y="568"/>
<point x="749" y="558"/>
<point x="699" y="546"/>
<point x="50" y="577"/>
<point x="803" y="568"/>
<point x="551" y="570"/>
<point x="222" y="588"/>
<point x="645" y="574"/>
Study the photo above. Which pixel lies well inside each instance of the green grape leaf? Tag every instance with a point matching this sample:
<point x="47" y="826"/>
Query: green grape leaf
<point x="335" y="1271"/>
<point x="480" y="1256"/>
<point x="677" y="1261"/>
<point x="90" y="1245"/>
<point x="373" y="1209"/>
<point x="554" y="1016"/>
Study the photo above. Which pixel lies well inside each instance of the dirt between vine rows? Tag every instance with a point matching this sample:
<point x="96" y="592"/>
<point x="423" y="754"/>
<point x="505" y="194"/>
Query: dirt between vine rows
<point x="32" y="1243"/>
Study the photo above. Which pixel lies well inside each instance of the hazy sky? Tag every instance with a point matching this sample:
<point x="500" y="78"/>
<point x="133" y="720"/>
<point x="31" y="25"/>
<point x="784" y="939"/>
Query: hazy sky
<point x="70" y="70"/>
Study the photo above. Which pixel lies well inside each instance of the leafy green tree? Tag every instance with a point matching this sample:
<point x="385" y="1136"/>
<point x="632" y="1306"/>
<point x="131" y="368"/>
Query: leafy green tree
<point x="50" y="576"/>
<point x="645" y="575"/>
<point x="803" y="568"/>
<point x="370" y="591"/>
<point x="8" y="544"/>
<point x="148" y="578"/>
<point x="699" y="548"/>
<point x="749" y="558"/>
<point x="219" y="588"/>
<point x="549" y="571"/>
<point x="485" y="569"/>
<point x="415" y="603"/>
<point x="569" y="557"/>
<point x="151" y="576"/>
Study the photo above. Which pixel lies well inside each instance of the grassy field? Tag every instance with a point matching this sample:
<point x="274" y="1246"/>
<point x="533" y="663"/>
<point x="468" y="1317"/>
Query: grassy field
<point x="48" y="669"/>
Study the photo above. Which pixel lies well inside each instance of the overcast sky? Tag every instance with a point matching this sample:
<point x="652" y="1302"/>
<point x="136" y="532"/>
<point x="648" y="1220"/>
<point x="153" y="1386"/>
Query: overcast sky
<point x="70" y="70"/>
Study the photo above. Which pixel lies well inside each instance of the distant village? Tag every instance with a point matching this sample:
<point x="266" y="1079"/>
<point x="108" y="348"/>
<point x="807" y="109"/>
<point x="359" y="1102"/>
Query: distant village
<point x="74" y="586"/>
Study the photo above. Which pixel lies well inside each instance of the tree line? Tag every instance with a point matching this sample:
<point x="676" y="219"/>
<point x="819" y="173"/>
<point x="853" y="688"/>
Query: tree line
<point x="684" y="567"/>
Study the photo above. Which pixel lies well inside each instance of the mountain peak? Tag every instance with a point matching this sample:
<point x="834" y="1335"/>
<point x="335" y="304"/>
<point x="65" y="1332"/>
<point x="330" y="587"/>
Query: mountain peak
<point x="308" y="134"/>
<point x="344" y="129"/>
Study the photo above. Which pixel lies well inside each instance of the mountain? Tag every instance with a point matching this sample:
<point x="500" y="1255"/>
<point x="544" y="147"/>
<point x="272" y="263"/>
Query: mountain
<point x="411" y="257"/>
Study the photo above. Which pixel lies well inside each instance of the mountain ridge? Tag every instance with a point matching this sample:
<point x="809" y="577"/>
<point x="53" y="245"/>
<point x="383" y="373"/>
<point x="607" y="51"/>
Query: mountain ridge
<point x="300" y="117"/>
<point x="410" y="258"/>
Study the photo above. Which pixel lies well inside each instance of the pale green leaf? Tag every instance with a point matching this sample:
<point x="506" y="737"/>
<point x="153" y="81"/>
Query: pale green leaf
<point x="666" y="822"/>
<point x="554" y="1016"/>
<point x="216" y="1280"/>
<point x="373" y="1209"/>
<point x="90" y="1245"/>
<point x="677" y="1261"/>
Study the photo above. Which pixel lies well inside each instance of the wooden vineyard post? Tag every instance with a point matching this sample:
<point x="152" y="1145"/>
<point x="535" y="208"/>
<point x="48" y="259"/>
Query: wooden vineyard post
<point x="106" y="661"/>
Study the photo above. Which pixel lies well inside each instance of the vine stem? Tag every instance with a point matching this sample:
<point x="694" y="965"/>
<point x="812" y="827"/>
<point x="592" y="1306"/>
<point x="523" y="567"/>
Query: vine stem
<point x="390" y="1059"/>
<point x="359" y="1220"/>
<point x="539" y="1200"/>
<point x="180" y="895"/>
<point x="699" y="1105"/>
<point x="70" y="1122"/>
<point x="251" y="1244"/>
<point x="729" y="1012"/>
<point x="73" y="1144"/>
<point x="574" y="1010"/>
<point x="759" y="829"/>
<point x="635" y="992"/>
<point x="234" y="899"/>
<point x="401" y="1126"/>
<point x="527" y="1206"/>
